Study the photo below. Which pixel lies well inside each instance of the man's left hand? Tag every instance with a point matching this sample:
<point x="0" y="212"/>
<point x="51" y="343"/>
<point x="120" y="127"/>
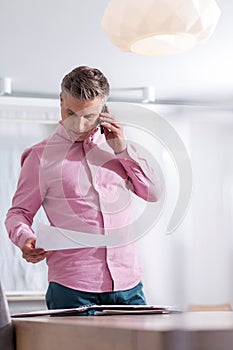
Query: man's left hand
<point x="113" y="131"/>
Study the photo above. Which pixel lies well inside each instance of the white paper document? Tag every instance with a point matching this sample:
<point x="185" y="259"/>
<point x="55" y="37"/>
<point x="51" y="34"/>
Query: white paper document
<point x="55" y="238"/>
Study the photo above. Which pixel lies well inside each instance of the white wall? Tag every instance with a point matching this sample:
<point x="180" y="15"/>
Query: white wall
<point x="194" y="264"/>
<point x="17" y="134"/>
<point x="41" y="41"/>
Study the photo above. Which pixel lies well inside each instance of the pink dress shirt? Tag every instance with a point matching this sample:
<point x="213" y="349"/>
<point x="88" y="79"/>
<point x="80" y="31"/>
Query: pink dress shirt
<point x="83" y="186"/>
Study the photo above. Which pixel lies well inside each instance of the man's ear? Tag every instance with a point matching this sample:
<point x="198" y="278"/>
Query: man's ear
<point x="61" y="98"/>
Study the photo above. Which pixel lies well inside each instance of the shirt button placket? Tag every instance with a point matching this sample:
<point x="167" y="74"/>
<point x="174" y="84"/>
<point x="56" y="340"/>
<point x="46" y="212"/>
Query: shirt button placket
<point x="87" y="146"/>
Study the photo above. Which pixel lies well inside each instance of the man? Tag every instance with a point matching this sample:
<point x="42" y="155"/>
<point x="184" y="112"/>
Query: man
<point x="83" y="177"/>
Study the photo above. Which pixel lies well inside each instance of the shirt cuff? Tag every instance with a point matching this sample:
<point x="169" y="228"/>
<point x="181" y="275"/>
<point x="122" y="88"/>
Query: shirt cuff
<point x="124" y="155"/>
<point x="23" y="237"/>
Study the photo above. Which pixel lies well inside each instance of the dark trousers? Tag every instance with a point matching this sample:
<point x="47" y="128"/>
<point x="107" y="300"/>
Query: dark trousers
<point x="61" y="297"/>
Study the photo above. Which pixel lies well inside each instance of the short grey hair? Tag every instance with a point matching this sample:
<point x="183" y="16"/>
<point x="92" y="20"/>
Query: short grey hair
<point x="86" y="83"/>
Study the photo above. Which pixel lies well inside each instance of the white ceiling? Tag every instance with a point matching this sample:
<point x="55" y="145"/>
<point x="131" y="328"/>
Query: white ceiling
<point x="42" y="40"/>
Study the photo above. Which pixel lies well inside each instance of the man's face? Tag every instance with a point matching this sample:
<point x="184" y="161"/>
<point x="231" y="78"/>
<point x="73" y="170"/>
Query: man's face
<point x="80" y="118"/>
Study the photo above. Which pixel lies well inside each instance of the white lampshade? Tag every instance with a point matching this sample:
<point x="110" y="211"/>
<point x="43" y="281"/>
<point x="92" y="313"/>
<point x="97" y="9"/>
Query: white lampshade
<point x="159" y="27"/>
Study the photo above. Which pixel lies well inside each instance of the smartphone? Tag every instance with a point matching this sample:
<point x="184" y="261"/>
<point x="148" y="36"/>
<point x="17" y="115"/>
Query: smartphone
<point x="102" y="111"/>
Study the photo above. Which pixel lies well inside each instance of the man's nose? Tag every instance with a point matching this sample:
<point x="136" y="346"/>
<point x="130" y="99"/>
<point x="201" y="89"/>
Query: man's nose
<point x="80" y="124"/>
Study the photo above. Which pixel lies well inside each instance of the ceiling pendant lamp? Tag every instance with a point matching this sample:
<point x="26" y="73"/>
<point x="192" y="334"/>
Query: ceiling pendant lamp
<point x="159" y="27"/>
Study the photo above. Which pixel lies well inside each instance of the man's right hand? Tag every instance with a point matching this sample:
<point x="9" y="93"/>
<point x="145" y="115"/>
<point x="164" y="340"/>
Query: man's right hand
<point x="31" y="253"/>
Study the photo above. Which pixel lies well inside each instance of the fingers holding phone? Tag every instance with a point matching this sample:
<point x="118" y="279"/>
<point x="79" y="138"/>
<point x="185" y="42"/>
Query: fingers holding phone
<point x="113" y="131"/>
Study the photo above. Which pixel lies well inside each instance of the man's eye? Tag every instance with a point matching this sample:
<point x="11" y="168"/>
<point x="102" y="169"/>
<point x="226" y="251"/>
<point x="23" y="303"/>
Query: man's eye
<point x="89" y="116"/>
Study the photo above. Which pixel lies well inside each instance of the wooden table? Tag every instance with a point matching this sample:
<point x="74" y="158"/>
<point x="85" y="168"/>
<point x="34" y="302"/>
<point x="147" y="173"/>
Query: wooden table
<point x="188" y="331"/>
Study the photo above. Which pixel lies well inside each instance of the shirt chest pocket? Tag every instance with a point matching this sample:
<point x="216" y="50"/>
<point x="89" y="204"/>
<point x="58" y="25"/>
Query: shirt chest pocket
<point x="111" y="185"/>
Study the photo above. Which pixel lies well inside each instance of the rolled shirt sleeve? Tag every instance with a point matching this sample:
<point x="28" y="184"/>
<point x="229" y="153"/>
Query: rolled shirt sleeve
<point x="26" y="201"/>
<point x="144" y="182"/>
